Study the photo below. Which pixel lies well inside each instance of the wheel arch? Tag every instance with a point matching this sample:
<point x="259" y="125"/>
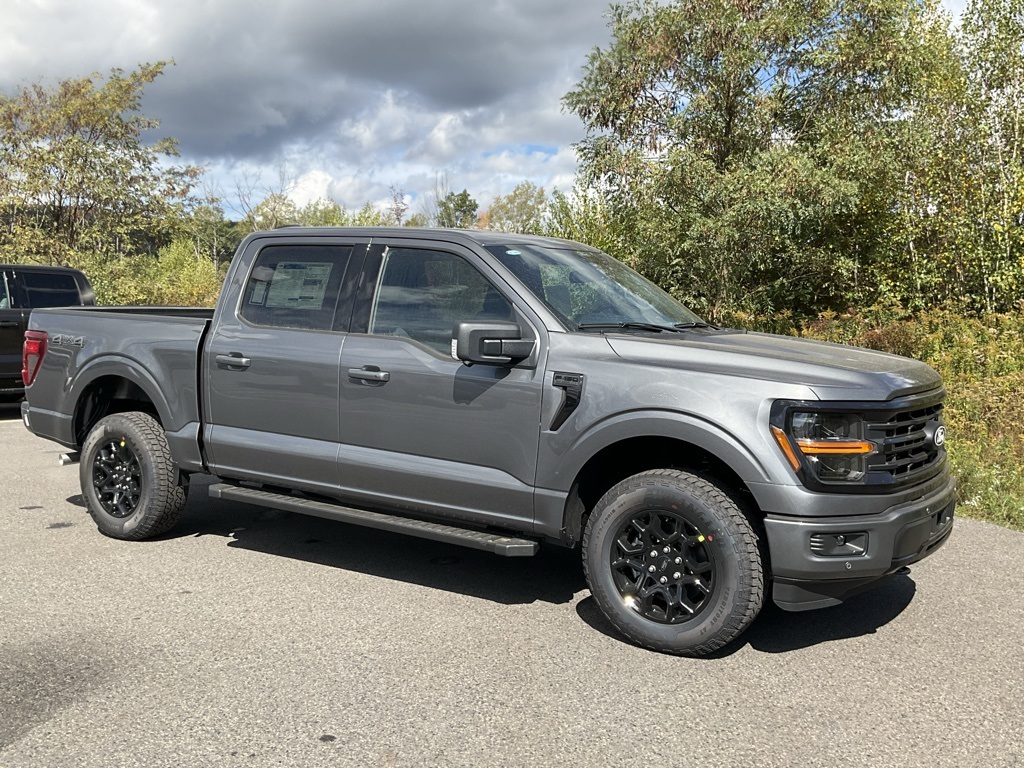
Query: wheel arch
<point x="656" y="441"/>
<point x="114" y="386"/>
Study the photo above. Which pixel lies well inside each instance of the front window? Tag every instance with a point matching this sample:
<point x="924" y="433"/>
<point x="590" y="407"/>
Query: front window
<point x="588" y="289"/>
<point x="423" y="293"/>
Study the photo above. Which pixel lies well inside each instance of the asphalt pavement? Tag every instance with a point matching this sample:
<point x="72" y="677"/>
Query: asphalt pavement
<point x="251" y="637"/>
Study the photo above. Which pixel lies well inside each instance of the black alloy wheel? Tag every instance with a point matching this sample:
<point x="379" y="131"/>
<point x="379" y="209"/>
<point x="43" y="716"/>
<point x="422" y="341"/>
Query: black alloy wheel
<point x="663" y="566"/>
<point x="117" y="478"/>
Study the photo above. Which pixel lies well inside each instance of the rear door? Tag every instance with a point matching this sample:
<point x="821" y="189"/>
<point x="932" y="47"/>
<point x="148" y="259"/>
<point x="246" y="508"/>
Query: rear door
<point x="271" y="365"/>
<point x="421" y="430"/>
<point x="12" y="331"/>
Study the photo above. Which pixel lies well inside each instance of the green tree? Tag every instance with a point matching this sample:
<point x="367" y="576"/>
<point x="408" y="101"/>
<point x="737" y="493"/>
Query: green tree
<point x="989" y="239"/>
<point x="457" y="210"/>
<point x="521" y="210"/>
<point x="585" y="216"/>
<point x="323" y="213"/>
<point x="210" y="232"/>
<point x="958" y="236"/>
<point x="371" y="216"/>
<point x="327" y="213"/>
<point x="273" y="211"/>
<point x="77" y="181"/>
<point x="747" y="150"/>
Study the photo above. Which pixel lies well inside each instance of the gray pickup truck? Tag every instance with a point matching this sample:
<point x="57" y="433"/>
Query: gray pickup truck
<point x="499" y="392"/>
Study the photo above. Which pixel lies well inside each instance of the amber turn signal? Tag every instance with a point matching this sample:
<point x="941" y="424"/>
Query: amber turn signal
<point x="812" y="447"/>
<point x="787" y="448"/>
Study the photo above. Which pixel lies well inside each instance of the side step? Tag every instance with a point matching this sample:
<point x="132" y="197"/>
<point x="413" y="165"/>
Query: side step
<point x="489" y="542"/>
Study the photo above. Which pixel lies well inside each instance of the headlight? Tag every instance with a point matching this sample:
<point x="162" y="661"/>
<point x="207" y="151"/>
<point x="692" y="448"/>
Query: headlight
<point x="831" y="446"/>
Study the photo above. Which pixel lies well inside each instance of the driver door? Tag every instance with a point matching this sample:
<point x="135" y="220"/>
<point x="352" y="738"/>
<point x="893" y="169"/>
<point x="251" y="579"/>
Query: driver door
<point x="420" y="430"/>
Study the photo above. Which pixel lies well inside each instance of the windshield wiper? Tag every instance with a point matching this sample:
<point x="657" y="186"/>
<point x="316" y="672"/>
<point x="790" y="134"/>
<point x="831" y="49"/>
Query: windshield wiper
<point x="698" y="324"/>
<point x="630" y="327"/>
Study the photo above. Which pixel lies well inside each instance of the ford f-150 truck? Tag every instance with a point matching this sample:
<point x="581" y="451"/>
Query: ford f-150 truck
<point x="503" y="391"/>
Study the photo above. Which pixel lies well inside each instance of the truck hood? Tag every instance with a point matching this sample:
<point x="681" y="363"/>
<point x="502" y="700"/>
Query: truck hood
<point x="831" y="371"/>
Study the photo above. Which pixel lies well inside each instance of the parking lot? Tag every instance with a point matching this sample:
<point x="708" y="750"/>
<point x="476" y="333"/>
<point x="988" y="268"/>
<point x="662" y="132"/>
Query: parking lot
<point x="259" y="638"/>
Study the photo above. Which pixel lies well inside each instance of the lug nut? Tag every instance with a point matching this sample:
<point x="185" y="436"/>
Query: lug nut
<point x="654" y="553"/>
<point x="663" y="579"/>
<point x="679" y="561"/>
<point x="651" y="569"/>
<point x="666" y="550"/>
<point x="677" y="575"/>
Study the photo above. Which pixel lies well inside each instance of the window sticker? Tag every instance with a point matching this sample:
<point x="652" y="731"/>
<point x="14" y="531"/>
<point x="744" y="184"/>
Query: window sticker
<point x="259" y="293"/>
<point x="297" y="285"/>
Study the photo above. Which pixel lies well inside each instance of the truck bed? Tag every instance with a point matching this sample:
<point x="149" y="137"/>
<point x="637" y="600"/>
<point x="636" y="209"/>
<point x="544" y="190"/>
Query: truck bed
<point x="156" y="349"/>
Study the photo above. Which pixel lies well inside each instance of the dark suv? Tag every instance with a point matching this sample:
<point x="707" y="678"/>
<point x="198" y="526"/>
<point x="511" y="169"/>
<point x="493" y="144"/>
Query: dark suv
<point x="22" y="289"/>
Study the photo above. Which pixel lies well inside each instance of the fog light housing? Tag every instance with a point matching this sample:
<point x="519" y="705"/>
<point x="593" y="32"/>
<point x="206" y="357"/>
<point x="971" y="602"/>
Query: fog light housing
<point x="853" y="544"/>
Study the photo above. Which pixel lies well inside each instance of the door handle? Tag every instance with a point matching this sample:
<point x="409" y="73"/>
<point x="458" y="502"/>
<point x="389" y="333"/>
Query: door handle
<point x="8" y="324"/>
<point x="369" y="373"/>
<point x="234" y="360"/>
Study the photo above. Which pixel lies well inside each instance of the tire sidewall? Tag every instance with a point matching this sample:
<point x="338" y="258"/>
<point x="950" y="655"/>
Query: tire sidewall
<point x="715" y="617"/>
<point x="114" y="427"/>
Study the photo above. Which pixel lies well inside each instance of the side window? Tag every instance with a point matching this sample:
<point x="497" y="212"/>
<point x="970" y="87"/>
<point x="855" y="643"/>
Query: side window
<point x="46" y="289"/>
<point x="6" y="291"/>
<point x="295" y="286"/>
<point x="421" y="294"/>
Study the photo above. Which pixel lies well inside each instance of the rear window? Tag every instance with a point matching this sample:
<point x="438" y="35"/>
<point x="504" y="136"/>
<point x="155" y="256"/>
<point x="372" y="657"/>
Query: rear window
<point x="295" y="286"/>
<point x="46" y="289"/>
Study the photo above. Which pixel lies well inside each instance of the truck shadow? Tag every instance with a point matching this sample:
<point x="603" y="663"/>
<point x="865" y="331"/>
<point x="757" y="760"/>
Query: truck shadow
<point x="779" y="631"/>
<point x="554" y="575"/>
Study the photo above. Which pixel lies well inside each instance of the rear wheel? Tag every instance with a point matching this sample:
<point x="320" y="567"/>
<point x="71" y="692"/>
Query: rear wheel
<point x="129" y="482"/>
<point x="673" y="562"/>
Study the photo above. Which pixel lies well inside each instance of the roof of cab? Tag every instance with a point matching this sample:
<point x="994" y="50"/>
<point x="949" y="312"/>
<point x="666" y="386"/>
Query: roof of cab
<point x="477" y="236"/>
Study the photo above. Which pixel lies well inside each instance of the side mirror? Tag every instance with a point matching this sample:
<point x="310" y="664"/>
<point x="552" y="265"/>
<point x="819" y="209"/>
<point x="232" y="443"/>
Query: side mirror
<point x="489" y="343"/>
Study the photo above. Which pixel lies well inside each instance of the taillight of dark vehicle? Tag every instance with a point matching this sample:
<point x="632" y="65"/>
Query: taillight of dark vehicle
<point x="32" y="353"/>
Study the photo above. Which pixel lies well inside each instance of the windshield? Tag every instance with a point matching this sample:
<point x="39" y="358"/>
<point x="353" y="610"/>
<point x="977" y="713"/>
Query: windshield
<point x="589" y="289"/>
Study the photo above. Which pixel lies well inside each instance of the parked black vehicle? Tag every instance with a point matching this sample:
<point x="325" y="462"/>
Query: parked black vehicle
<point x="22" y="289"/>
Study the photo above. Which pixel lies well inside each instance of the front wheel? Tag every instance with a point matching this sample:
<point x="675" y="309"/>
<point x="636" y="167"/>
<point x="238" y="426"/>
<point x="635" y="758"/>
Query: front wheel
<point x="673" y="562"/>
<point x="129" y="482"/>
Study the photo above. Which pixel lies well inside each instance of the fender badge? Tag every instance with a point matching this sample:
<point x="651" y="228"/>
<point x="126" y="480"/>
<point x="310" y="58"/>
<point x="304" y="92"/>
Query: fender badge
<point x="67" y="340"/>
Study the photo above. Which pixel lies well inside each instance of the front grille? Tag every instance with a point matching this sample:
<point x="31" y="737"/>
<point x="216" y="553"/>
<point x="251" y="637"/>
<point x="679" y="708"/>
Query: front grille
<point x="907" y="450"/>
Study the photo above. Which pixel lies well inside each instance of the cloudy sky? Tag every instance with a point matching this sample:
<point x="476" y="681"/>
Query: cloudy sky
<point x="341" y="98"/>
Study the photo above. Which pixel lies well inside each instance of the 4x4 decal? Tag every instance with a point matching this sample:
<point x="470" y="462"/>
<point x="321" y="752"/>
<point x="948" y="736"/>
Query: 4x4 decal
<point x="67" y="340"/>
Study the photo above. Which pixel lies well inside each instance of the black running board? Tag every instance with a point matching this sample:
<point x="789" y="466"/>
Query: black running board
<point x="489" y="542"/>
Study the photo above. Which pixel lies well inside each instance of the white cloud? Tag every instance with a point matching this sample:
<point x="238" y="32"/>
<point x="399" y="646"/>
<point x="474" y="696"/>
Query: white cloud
<point x="345" y="97"/>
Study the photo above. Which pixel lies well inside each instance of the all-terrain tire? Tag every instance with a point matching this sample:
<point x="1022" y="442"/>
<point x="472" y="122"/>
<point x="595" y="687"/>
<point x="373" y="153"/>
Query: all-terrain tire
<point x="130" y="484"/>
<point x="673" y="562"/>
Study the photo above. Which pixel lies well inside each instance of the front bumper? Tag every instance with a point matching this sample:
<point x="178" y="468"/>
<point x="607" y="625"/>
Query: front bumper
<point x="890" y="540"/>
